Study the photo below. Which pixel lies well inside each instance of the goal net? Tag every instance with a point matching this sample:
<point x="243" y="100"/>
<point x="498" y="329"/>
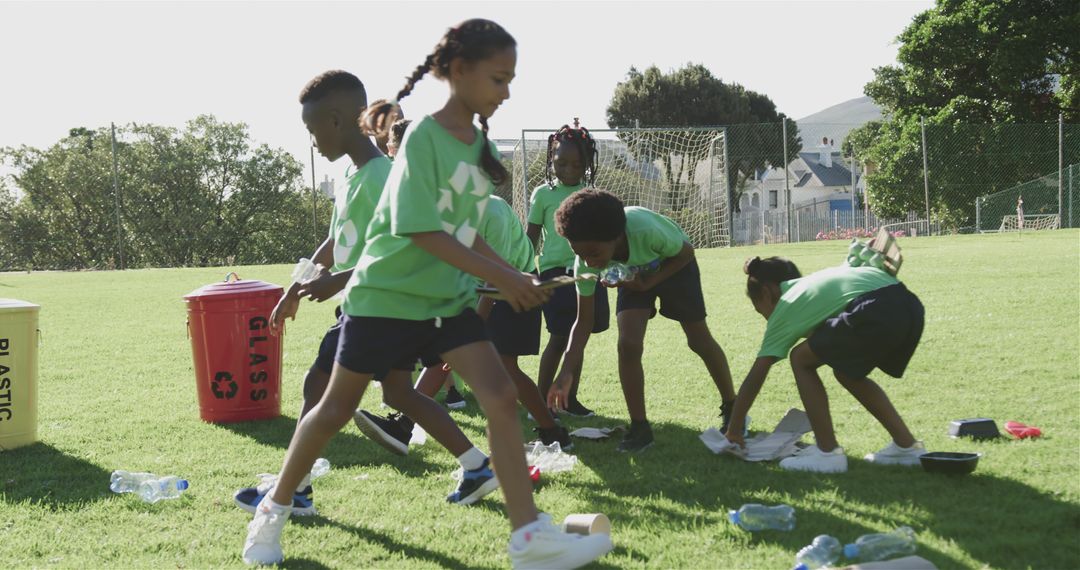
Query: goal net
<point x="1011" y="223"/>
<point x="680" y="173"/>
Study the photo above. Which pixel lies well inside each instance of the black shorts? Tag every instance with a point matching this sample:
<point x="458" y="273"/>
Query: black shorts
<point x="514" y="334"/>
<point x="560" y="311"/>
<point x="879" y="329"/>
<point x="328" y="347"/>
<point x="680" y="296"/>
<point x="377" y="345"/>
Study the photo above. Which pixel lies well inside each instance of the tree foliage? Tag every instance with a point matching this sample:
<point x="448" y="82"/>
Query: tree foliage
<point x="202" y="195"/>
<point x="990" y="78"/>
<point x="692" y="97"/>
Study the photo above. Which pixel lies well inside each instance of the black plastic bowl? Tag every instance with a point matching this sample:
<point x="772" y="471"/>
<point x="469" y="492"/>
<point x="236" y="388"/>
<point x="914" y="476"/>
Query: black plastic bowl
<point x="949" y="462"/>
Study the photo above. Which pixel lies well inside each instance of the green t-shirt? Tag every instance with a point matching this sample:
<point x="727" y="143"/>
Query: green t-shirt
<point x="651" y="238"/>
<point x="806" y="302"/>
<point x="354" y="205"/>
<point x="542" y="205"/>
<point x="436" y="184"/>
<point x="502" y="230"/>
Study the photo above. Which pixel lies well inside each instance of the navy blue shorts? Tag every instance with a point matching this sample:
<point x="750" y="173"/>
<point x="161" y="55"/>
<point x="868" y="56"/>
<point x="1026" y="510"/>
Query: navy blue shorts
<point x="329" y="344"/>
<point x="514" y="334"/>
<point x="879" y="329"/>
<point x="377" y="345"/>
<point x="560" y="311"/>
<point x="680" y="296"/>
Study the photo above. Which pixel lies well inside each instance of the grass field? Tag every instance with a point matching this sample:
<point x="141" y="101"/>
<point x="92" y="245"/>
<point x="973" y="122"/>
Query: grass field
<point x="1002" y="337"/>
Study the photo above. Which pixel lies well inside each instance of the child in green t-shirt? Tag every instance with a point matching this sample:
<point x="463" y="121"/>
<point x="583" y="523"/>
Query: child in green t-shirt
<point x="571" y="166"/>
<point x="855" y="319"/>
<point x="656" y="261"/>
<point x="410" y="294"/>
<point x="332" y="103"/>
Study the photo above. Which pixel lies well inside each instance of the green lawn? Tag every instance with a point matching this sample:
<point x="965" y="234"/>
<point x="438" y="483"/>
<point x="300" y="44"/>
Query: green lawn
<point x="117" y="392"/>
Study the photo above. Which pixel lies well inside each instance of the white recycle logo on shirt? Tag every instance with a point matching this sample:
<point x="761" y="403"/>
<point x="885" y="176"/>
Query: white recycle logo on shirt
<point x="466" y="232"/>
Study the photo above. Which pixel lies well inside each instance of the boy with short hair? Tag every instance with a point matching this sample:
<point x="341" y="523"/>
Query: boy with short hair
<point x="657" y="262"/>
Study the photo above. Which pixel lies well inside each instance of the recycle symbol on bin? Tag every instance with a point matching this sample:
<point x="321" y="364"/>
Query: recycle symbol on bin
<point x="224" y="379"/>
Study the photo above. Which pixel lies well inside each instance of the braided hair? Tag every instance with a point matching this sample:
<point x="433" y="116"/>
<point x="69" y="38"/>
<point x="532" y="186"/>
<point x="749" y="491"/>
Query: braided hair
<point x="471" y="40"/>
<point x="769" y="270"/>
<point x="586" y="147"/>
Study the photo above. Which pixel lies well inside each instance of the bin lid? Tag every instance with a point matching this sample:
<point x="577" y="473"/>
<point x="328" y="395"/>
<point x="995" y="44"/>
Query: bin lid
<point x="234" y="288"/>
<point x="17" y="306"/>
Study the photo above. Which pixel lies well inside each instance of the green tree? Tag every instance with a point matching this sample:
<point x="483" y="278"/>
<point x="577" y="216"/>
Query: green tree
<point x="990" y="78"/>
<point x="690" y="97"/>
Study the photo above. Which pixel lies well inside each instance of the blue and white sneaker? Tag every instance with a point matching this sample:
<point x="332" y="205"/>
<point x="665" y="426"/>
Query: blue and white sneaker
<point x="475" y="484"/>
<point x="250" y="497"/>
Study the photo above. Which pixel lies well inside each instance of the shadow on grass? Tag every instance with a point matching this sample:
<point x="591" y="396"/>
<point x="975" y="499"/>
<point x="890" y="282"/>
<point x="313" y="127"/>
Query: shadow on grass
<point x="966" y="510"/>
<point x="386" y="541"/>
<point x="349" y="448"/>
<point x="47" y="476"/>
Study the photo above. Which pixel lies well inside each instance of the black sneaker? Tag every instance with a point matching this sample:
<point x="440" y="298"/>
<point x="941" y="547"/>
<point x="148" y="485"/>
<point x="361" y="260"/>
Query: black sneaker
<point x="454" y="399"/>
<point x="637" y="439"/>
<point x="250" y="497"/>
<point x="392" y="432"/>
<point x="559" y="434"/>
<point x="576" y="409"/>
<point x="474" y="485"/>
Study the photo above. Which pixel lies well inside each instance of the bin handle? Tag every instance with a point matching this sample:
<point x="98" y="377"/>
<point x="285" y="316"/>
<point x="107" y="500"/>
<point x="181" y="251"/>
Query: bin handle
<point x="233" y="275"/>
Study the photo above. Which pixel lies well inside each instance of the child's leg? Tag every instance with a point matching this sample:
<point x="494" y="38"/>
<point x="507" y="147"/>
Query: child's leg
<point x="549" y="363"/>
<point x="873" y="398"/>
<point x="632" y="325"/>
<point x="399" y="394"/>
<point x="528" y="394"/>
<point x="315" y="383"/>
<point x="431" y="379"/>
<point x="332" y="412"/>
<point x="804" y="363"/>
<point x="479" y="365"/>
<point x="702" y="343"/>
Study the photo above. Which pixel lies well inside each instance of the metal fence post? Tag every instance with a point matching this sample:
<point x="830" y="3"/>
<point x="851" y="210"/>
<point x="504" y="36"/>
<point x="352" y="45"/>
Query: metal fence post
<point x="314" y="200"/>
<point x="925" y="174"/>
<point x="787" y="183"/>
<point x="978" y="215"/>
<point x="1061" y="165"/>
<point x="116" y="193"/>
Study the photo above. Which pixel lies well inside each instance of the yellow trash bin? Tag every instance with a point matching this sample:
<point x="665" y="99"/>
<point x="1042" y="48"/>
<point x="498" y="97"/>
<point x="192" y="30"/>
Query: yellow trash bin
<point x="18" y="373"/>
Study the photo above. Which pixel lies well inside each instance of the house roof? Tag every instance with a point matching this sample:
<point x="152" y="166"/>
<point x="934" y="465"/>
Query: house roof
<point x="820" y="175"/>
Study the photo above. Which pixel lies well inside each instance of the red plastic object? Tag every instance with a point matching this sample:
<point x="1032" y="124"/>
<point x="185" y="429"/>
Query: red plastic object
<point x="237" y="360"/>
<point x="534" y="474"/>
<point x="1021" y="431"/>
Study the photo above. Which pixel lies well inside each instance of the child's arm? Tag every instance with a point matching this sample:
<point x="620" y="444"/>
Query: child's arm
<point x="575" y="352"/>
<point x="289" y="303"/>
<point x="482" y="247"/>
<point x="747" y="394"/>
<point x="519" y="288"/>
<point x="325" y="286"/>
<point x="668" y="267"/>
<point x="484" y="306"/>
<point x="533" y="231"/>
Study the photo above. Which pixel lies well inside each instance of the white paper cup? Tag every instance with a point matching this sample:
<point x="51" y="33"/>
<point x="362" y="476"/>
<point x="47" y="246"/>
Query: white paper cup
<point x="593" y="523"/>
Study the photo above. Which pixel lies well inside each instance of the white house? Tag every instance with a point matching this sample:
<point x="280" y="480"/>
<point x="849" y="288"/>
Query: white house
<point x="814" y="177"/>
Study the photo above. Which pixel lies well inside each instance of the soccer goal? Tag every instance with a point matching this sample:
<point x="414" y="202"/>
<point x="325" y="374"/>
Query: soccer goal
<point x="1011" y="222"/>
<point x="680" y="173"/>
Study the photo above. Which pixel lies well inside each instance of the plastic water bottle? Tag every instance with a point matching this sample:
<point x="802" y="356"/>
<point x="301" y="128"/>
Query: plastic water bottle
<point x="128" y="482"/>
<point x="168" y="487"/>
<point x="304" y="270"/>
<point x="761" y="517"/>
<point x="872" y="547"/>
<point x="618" y="273"/>
<point x="320" y="468"/>
<point x="823" y="552"/>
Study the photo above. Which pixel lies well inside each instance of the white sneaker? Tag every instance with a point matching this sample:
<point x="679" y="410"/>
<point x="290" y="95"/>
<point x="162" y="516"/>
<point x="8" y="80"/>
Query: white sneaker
<point x="551" y="548"/>
<point x="263" y="544"/>
<point x="814" y="459"/>
<point x="893" y="454"/>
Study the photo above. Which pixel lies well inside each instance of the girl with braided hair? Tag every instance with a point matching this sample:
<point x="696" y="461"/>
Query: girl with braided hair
<point x="411" y="293"/>
<point x="571" y="166"/>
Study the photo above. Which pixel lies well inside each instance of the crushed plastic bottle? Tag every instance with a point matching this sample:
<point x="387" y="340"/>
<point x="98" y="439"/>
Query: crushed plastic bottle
<point x="304" y="270"/>
<point x="882" y="546"/>
<point x="823" y="552"/>
<point x="549" y="458"/>
<point x="320" y="468"/>
<point x="755" y="517"/>
<point x="128" y="482"/>
<point x="618" y="273"/>
<point x="169" y="487"/>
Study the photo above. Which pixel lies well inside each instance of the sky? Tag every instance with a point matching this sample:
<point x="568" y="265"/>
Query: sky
<point x="86" y="64"/>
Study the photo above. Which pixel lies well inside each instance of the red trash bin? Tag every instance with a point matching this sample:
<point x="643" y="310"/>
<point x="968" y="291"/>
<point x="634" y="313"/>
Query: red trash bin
<point x="237" y="360"/>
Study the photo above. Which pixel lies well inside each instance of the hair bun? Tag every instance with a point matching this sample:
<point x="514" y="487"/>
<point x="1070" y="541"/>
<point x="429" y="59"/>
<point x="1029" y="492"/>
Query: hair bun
<point x="751" y="265"/>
